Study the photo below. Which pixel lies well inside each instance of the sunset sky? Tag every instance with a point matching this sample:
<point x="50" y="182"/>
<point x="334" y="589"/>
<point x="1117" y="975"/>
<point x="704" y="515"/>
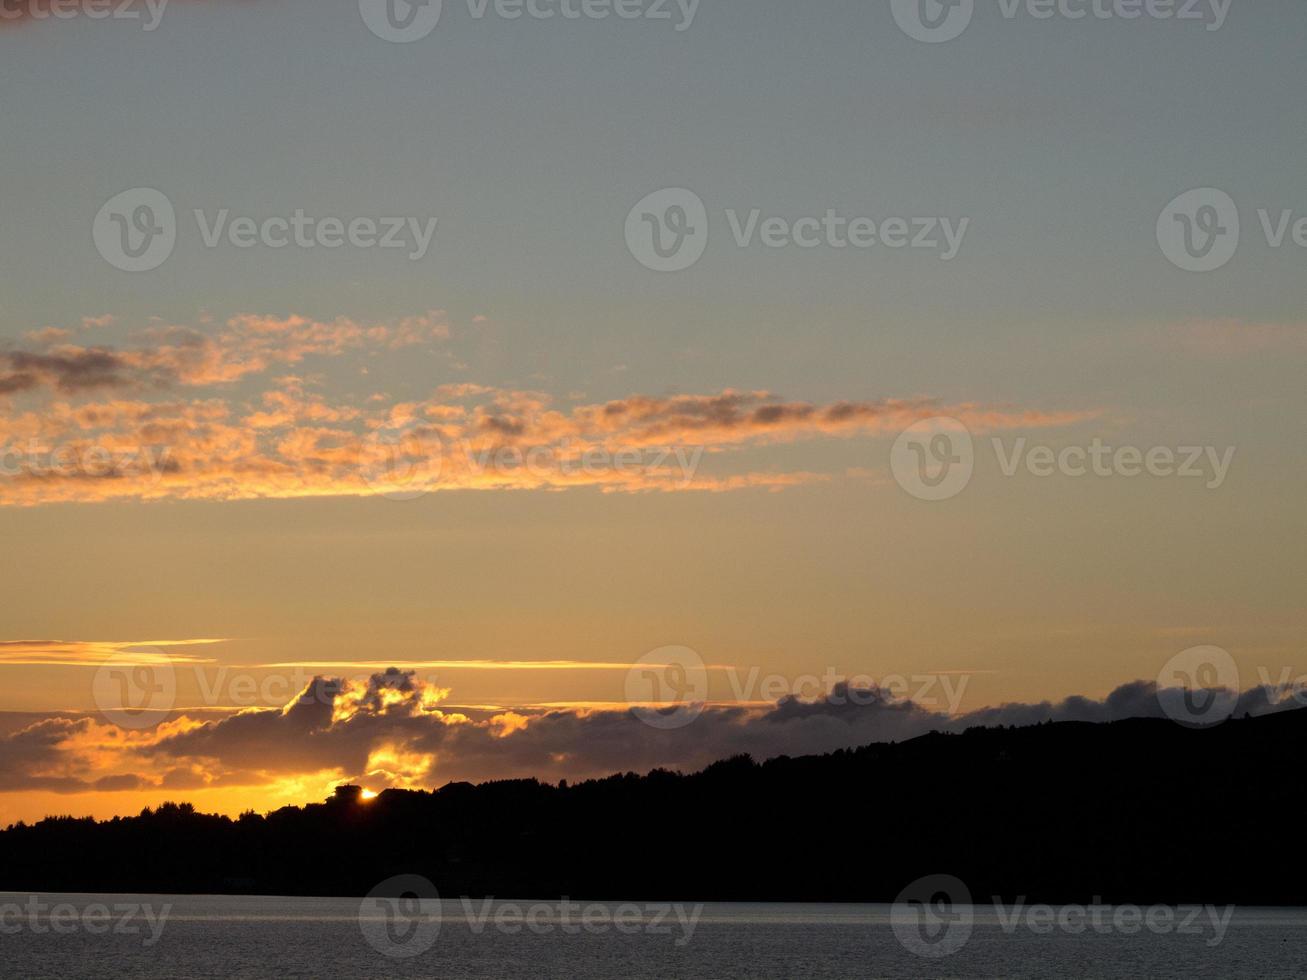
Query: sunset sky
<point x="218" y="465"/>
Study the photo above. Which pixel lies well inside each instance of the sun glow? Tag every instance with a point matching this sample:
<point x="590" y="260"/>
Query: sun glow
<point x="368" y="794"/>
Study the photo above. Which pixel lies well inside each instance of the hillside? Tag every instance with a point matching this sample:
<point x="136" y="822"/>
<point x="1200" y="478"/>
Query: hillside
<point x="1140" y="810"/>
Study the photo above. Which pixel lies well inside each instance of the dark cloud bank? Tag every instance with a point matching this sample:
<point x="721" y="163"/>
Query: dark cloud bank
<point x="570" y="744"/>
<point x="388" y="733"/>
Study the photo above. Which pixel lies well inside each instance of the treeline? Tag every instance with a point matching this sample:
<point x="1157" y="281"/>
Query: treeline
<point x="1134" y="811"/>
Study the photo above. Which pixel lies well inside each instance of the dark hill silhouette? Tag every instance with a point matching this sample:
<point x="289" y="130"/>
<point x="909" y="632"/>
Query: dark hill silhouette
<point x="1134" y="811"/>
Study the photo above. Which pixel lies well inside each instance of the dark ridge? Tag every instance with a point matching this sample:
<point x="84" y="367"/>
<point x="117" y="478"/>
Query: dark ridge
<point x="1137" y="811"/>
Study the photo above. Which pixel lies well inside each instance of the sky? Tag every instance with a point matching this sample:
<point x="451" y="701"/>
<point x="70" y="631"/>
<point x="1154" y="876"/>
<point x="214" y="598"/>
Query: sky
<point x="516" y="462"/>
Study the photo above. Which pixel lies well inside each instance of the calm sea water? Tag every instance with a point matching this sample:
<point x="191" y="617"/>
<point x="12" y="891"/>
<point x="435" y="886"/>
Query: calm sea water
<point x="134" y="936"/>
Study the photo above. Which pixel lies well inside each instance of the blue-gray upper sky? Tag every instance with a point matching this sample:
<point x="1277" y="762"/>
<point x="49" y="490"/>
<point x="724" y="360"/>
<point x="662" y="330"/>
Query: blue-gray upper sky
<point x="1061" y="141"/>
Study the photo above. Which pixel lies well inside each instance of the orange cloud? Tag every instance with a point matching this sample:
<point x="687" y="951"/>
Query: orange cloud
<point x="289" y="441"/>
<point x="247" y="344"/>
<point x="92" y="653"/>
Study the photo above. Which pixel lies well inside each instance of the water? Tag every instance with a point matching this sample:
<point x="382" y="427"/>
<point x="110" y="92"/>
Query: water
<point x="129" y="936"/>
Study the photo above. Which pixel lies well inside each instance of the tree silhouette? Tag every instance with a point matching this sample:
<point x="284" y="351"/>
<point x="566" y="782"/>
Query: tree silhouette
<point x="1130" y="812"/>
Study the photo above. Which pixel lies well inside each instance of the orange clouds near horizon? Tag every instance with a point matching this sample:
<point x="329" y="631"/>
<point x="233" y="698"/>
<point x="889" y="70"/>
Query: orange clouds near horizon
<point x="396" y="730"/>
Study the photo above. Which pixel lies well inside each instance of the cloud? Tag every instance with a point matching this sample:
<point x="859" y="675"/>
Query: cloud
<point x="570" y="665"/>
<point x="196" y="414"/>
<point x="93" y="653"/>
<point x="247" y="344"/>
<point x="293" y="444"/>
<point x="394" y="729"/>
<point x="29" y="757"/>
<point x="68" y="370"/>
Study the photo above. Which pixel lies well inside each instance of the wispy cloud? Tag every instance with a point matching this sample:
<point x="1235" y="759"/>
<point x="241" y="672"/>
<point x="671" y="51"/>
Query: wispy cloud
<point x="93" y="653"/>
<point x="356" y="665"/>
<point x="171" y="428"/>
